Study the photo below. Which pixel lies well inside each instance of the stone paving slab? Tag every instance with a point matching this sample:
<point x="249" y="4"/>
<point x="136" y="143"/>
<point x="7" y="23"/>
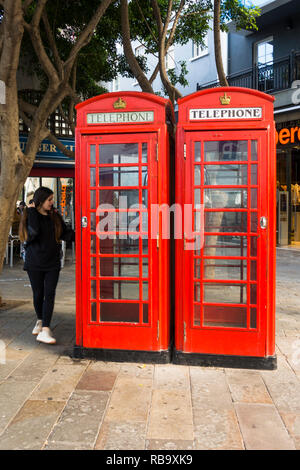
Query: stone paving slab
<point x="79" y="422"/>
<point x="30" y="427"/>
<point x="262" y="427"/>
<point x="171" y="415"/>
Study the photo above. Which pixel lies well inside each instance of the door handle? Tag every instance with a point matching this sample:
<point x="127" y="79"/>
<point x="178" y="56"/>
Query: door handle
<point x="263" y="222"/>
<point x="84" y="222"/>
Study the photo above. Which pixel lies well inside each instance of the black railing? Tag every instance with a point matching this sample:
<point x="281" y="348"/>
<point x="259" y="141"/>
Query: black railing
<point x="269" y="78"/>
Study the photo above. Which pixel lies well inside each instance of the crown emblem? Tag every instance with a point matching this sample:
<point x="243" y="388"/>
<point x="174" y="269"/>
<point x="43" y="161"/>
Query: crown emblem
<point x="119" y="104"/>
<point x="225" y="99"/>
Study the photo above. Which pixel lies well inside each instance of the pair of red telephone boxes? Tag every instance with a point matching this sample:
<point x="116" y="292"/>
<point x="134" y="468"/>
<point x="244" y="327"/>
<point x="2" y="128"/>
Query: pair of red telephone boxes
<point x="175" y="239"/>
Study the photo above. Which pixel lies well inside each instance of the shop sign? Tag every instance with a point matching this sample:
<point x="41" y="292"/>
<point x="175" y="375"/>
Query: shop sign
<point x="47" y="150"/>
<point x="128" y="117"/>
<point x="225" y="113"/>
<point x="288" y="135"/>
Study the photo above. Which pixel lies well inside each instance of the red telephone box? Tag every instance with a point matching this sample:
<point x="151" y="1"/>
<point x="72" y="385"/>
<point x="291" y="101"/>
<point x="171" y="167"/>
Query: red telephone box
<point x="122" y="270"/>
<point x="225" y="261"/>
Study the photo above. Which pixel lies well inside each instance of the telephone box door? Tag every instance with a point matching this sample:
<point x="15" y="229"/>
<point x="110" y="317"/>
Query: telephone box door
<point x="225" y="274"/>
<point x="120" y="261"/>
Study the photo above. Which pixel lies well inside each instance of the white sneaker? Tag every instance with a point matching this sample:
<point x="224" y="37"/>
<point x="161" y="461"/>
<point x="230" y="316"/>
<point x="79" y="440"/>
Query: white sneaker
<point x="45" y="336"/>
<point x="38" y="328"/>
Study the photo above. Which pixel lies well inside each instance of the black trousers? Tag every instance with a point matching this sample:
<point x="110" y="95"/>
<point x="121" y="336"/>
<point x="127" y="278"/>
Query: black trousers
<point x="43" y="285"/>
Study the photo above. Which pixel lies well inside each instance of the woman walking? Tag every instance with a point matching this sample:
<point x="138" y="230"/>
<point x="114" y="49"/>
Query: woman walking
<point x="42" y="228"/>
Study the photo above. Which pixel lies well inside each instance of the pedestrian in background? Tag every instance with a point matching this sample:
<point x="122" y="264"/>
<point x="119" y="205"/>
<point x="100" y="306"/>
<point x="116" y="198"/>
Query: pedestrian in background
<point x="42" y="228"/>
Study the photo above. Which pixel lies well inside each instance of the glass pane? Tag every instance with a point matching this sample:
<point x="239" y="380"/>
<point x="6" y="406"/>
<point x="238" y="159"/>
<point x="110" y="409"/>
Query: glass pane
<point x="253" y="150"/>
<point x="225" y="293"/>
<point x="93" y="199"/>
<point x="221" y="245"/>
<point x="225" y="150"/>
<point x="253" y="221"/>
<point x="197" y="200"/>
<point x="92" y="154"/>
<point x="145" y="290"/>
<point x="253" y="174"/>
<point x="197" y="292"/>
<point x="93" y="266"/>
<point x="119" y="176"/>
<point x="118" y="153"/>
<point x="119" y="312"/>
<point x="225" y="221"/>
<point x="197" y="314"/>
<point x="112" y="197"/>
<point x="112" y="289"/>
<point x="229" y="269"/>
<point x="120" y="244"/>
<point x="253" y="294"/>
<point x="93" y="289"/>
<point x="145" y="313"/>
<point x="253" y="271"/>
<point x="197" y="268"/>
<point x="145" y="245"/>
<point x="253" y="246"/>
<point x="145" y="267"/>
<point x="93" y="244"/>
<point x="197" y="175"/>
<point x="197" y="150"/>
<point x="93" y="311"/>
<point x="253" y="314"/>
<point x="144" y="152"/>
<point x="93" y="221"/>
<point x="119" y="267"/>
<point x="230" y="198"/>
<point x="254" y="198"/>
<point x="92" y="176"/>
<point x="225" y="175"/>
<point x="225" y="316"/>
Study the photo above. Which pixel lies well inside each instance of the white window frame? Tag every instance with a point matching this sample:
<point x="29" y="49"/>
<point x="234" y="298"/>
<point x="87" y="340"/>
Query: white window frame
<point x="198" y="51"/>
<point x="256" y="44"/>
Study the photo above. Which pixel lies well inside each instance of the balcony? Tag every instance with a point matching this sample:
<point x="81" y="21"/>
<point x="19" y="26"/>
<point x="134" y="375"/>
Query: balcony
<point x="269" y="78"/>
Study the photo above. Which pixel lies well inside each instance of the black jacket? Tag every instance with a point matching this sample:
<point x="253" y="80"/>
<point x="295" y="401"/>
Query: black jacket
<point x="42" y="252"/>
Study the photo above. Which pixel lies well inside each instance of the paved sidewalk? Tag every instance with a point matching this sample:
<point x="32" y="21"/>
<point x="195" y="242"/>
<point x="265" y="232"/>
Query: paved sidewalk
<point x="49" y="401"/>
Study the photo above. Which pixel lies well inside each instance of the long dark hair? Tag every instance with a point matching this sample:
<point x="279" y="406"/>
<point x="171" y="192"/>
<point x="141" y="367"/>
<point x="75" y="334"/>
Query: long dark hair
<point x="39" y="197"/>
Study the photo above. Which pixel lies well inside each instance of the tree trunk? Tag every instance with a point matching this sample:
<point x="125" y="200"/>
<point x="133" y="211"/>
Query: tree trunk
<point x="217" y="42"/>
<point x="133" y="63"/>
<point x="172" y="91"/>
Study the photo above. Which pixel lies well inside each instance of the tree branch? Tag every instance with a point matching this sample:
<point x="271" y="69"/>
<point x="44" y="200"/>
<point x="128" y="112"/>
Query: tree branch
<point x="52" y="44"/>
<point x="85" y="36"/>
<point x="34" y="32"/>
<point x="133" y="63"/>
<point x="217" y="42"/>
<point x="147" y="24"/>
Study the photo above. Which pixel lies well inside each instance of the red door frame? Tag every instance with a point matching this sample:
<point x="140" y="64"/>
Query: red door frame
<point x="216" y="340"/>
<point x="131" y="337"/>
